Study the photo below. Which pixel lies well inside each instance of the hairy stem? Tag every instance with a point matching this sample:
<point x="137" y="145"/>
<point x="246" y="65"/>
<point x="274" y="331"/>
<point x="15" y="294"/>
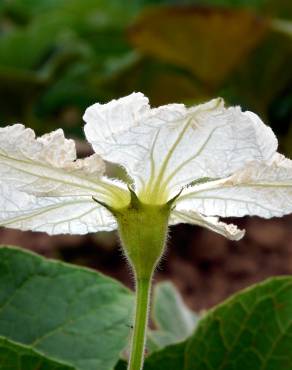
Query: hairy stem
<point x="143" y="232"/>
<point x="143" y="289"/>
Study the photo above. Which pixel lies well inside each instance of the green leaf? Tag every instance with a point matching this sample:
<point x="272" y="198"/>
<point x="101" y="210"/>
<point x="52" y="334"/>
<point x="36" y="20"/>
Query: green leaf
<point x="251" y="330"/>
<point x="170" y="358"/>
<point x="121" y="365"/>
<point x="210" y="42"/>
<point x="69" y="313"/>
<point x="54" y="55"/>
<point x="173" y="319"/>
<point x="15" y="356"/>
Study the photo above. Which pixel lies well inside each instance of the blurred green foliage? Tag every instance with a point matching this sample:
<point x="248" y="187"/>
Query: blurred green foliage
<point x="59" y="56"/>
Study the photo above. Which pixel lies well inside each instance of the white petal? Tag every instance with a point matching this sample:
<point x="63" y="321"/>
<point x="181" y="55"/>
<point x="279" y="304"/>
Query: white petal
<point x="47" y="166"/>
<point x="260" y="188"/>
<point x="43" y="186"/>
<point x="166" y="148"/>
<point x="53" y="215"/>
<point x="230" y="231"/>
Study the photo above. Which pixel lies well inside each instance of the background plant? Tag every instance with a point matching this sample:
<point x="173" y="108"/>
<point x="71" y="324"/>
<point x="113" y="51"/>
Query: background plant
<point x="56" y="58"/>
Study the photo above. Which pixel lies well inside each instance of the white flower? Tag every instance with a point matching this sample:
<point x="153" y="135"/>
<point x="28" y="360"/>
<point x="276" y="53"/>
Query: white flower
<point x="222" y="161"/>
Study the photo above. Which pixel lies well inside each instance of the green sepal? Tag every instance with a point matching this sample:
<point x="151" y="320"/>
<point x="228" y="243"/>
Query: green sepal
<point x="143" y="233"/>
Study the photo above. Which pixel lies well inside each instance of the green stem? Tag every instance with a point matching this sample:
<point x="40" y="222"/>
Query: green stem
<point x="143" y="288"/>
<point x="143" y="232"/>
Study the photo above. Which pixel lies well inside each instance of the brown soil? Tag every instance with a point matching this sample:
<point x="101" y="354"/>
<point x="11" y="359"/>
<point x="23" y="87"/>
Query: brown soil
<point x="204" y="266"/>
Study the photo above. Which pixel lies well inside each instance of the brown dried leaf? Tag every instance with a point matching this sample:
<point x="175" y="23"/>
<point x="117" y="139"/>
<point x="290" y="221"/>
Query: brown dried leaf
<point x="210" y="42"/>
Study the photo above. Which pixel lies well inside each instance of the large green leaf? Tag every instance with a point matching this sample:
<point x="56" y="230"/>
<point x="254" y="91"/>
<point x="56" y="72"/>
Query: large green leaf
<point x="14" y="356"/>
<point x="210" y="42"/>
<point x="170" y="358"/>
<point x="252" y="330"/>
<point x="69" y="313"/>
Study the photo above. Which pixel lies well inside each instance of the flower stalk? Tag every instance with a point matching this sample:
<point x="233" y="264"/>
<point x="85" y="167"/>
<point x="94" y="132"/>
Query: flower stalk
<point x="137" y="352"/>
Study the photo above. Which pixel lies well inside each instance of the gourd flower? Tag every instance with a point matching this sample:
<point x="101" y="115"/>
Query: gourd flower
<point x="185" y="165"/>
